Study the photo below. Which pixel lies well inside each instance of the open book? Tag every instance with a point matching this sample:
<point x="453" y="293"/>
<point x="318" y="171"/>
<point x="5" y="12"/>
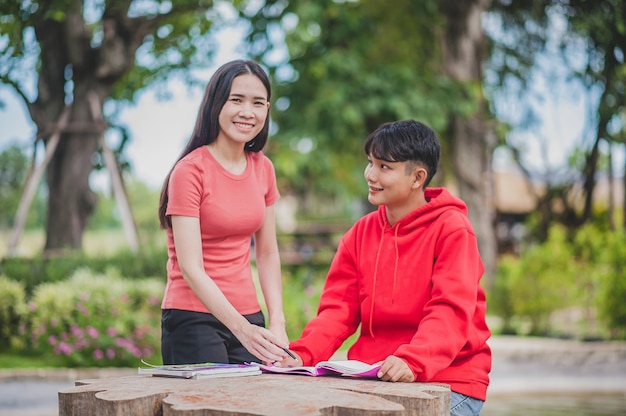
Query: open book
<point x="198" y="371"/>
<point x="346" y="368"/>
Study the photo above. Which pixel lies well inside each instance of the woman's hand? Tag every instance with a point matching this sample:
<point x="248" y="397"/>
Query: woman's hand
<point x="262" y="343"/>
<point x="395" y="369"/>
<point x="279" y="332"/>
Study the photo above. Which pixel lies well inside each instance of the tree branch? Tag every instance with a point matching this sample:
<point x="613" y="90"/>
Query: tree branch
<point x="4" y="79"/>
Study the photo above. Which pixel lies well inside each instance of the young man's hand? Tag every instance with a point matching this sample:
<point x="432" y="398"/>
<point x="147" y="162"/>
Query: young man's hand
<point x="394" y="369"/>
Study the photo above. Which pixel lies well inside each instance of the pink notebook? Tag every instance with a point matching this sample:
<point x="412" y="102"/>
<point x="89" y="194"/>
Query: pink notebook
<point x="345" y="368"/>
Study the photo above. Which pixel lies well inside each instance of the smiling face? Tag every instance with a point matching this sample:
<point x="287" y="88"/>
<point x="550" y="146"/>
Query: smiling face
<point x="389" y="183"/>
<point x="243" y="115"/>
<point x="397" y="185"/>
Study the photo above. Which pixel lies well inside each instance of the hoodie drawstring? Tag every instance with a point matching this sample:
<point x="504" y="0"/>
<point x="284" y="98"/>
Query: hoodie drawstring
<point x="395" y="276"/>
<point x="380" y="244"/>
<point x="395" y="267"/>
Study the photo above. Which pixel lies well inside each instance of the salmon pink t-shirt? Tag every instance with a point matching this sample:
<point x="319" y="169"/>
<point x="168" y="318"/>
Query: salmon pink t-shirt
<point x="231" y="208"/>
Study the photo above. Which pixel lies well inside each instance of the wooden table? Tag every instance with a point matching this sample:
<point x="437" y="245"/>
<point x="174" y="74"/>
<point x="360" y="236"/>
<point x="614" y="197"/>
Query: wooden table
<point x="265" y="394"/>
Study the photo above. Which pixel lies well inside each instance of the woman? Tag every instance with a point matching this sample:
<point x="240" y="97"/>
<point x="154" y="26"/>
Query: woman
<point x="220" y="194"/>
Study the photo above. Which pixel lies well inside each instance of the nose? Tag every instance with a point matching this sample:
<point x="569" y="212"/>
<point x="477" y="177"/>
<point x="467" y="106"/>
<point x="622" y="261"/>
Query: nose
<point x="246" y="110"/>
<point x="369" y="173"/>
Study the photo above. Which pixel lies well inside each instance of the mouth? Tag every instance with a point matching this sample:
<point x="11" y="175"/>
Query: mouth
<point x="241" y="125"/>
<point x="374" y="189"/>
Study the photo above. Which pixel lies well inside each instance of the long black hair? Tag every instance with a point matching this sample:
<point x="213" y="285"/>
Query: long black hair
<point x="207" y="125"/>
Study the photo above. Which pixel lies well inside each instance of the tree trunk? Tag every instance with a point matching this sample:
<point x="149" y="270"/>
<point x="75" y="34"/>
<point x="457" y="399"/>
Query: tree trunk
<point x="464" y="46"/>
<point x="71" y="200"/>
<point x="71" y="69"/>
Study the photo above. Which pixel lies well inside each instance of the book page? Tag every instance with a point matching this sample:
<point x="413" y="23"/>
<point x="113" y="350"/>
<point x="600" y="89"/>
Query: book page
<point x="304" y="370"/>
<point x="351" y="368"/>
<point x="347" y="368"/>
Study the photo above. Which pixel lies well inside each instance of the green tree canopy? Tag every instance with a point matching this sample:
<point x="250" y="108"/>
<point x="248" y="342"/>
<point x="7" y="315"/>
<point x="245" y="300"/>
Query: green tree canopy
<point x="72" y="57"/>
<point x="350" y="67"/>
<point x="353" y="65"/>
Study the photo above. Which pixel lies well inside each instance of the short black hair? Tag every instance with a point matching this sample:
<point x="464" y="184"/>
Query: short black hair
<point x="406" y="141"/>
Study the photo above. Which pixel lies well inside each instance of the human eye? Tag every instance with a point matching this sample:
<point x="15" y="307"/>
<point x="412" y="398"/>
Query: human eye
<point x="259" y="103"/>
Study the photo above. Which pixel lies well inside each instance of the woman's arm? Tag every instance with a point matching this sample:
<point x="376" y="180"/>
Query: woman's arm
<point x="270" y="278"/>
<point x="188" y="243"/>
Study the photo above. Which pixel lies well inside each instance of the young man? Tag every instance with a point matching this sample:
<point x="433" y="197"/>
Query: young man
<point x="409" y="275"/>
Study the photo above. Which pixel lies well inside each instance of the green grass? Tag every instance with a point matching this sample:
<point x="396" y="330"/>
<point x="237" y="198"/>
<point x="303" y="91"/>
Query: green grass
<point x="12" y="360"/>
<point x="95" y="243"/>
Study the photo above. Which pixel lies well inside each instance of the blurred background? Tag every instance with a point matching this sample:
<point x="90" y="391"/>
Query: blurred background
<point x="97" y="99"/>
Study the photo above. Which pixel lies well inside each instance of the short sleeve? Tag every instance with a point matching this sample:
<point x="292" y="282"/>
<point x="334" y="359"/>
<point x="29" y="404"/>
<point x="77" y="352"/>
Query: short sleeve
<point x="272" y="194"/>
<point x="185" y="190"/>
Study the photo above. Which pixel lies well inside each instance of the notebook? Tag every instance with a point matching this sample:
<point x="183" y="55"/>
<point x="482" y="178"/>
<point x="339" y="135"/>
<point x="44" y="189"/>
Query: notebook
<point x="345" y="368"/>
<point x="199" y="371"/>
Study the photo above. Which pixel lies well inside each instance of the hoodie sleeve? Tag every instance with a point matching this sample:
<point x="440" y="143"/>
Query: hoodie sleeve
<point x="338" y="314"/>
<point x="447" y="330"/>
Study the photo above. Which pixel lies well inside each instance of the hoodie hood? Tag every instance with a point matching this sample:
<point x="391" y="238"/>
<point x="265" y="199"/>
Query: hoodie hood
<point x="438" y="200"/>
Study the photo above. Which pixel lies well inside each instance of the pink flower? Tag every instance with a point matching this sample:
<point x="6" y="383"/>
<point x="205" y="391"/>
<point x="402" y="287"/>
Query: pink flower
<point x="65" y="349"/>
<point x="110" y="353"/>
<point x="98" y="354"/>
<point x="76" y="331"/>
<point x="92" y="332"/>
<point x="83" y="310"/>
<point x="111" y="331"/>
<point x="81" y="343"/>
<point x="122" y="342"/>
<point x="52" y="340"/>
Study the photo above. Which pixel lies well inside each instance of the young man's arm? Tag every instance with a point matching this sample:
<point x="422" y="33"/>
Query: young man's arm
<point x="447" y="325"/>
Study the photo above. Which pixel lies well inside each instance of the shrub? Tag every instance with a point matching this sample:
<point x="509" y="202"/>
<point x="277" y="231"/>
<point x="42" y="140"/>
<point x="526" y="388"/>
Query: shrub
<point x="611" y="300"/>
<point x="544" y="282"/>
<point x="302" y="288"/>
<point x="581" y="275"/>
<point x="591" y="246"/>
<point x="13" y="313"/>
<point x="500" y="300"/>
<point x="97" y="319"/>
<point x="148" y="262"/>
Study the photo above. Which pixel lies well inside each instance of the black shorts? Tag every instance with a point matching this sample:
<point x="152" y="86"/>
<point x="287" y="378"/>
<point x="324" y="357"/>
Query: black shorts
<point x="189" y="337"/>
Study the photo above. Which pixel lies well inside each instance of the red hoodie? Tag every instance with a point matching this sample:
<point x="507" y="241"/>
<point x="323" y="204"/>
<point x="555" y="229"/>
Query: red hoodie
<point x="414" y="289"/>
